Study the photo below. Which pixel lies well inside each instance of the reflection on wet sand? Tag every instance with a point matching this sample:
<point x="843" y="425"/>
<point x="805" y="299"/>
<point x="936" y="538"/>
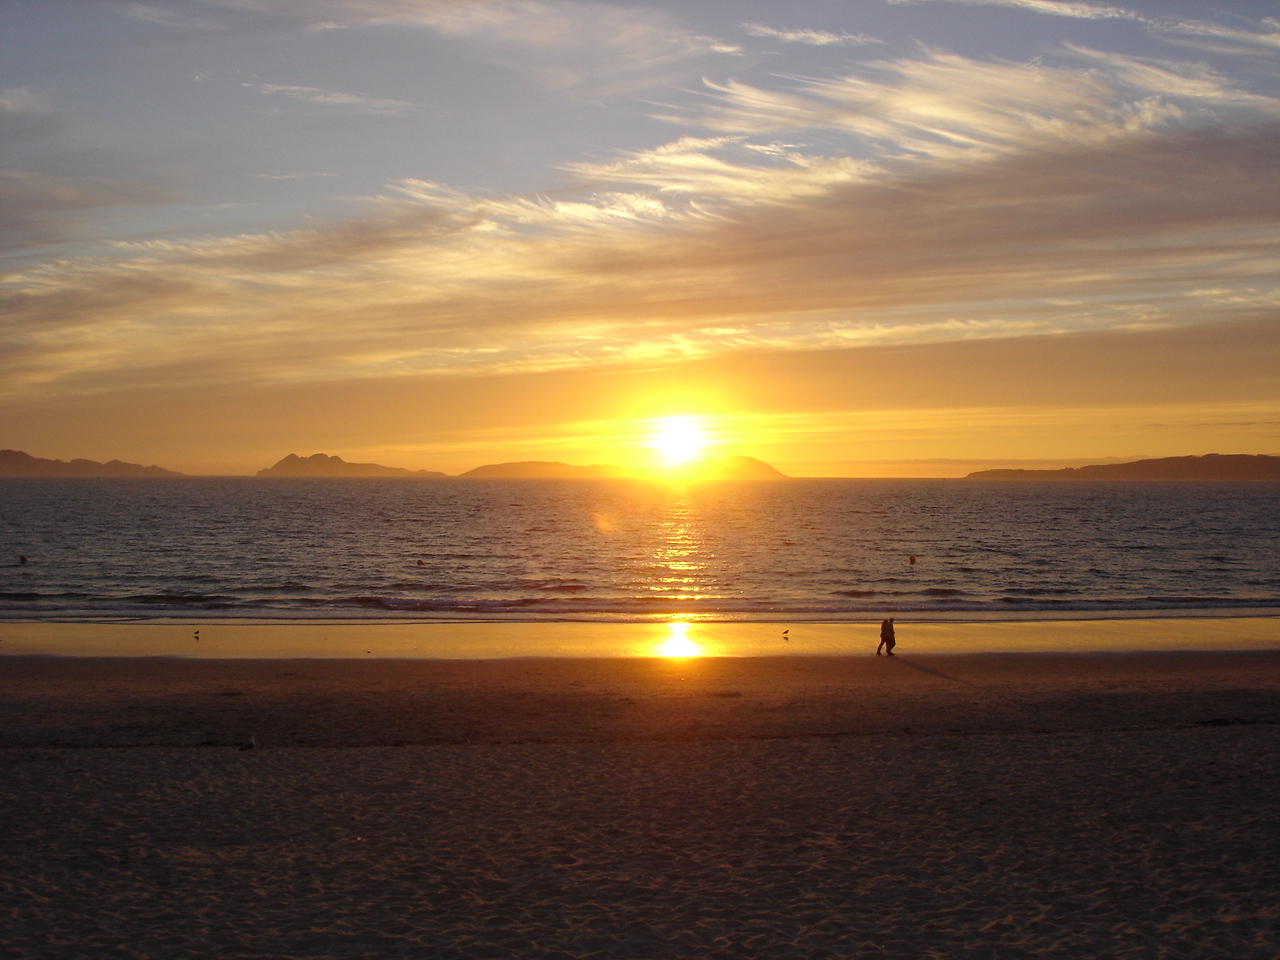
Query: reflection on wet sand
<point x="677" y="642"/>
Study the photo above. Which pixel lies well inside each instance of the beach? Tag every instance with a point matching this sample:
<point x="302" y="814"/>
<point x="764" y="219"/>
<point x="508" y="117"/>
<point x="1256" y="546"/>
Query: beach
<point x="982" y="805"/>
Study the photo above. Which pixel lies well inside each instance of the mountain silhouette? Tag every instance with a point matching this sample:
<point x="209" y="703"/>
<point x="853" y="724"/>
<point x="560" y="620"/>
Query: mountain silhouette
<point x="323" y="465"/>
<point x="543" y="470"/>
<point x="1213" y="466"/>
<point x="730" y="468"/>
<point x="15" y="463"/>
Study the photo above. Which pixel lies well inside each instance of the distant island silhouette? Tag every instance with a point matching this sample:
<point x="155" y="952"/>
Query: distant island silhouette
<point x="323" y="465"/>
<point x="15" y="463"/>
<point x="1213" y="466"/>
<point x="730" y="468"/>
<point x="543" y="469"/>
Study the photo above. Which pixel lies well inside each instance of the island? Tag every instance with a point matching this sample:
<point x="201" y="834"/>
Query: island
<point x="730" y="468"/>
<point x="1213" y="466"/>
<point x="15" y="463"/>
<point x="323" y="465"/>
<point x="543" y="470"/>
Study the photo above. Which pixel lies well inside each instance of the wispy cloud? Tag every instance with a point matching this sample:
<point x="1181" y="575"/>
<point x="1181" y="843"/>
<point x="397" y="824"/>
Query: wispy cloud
<point x="1054" y="8"/>
<point x="331" y="98"/>
<point x="1229" y="39"/>
<point x="1214" y="36"/>
<point x="165" y="17"/>
<point x="578" y="44"/>
<point x="565" y="44"/>
<point x="991" y="200"/>
<point x="27" y="113"/>
<point x="946" y="107"/>
<point x="43" y="202"/>
<point x="816" y="38"/>
<point x="291" y="176"/>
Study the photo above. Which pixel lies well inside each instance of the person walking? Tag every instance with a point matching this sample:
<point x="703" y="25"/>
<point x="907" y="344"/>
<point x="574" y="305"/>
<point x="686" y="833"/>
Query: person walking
<point x="887" y="639"/>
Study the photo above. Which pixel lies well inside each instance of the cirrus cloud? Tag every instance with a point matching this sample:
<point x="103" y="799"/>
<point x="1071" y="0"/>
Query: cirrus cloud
<point x="990" y="200"/>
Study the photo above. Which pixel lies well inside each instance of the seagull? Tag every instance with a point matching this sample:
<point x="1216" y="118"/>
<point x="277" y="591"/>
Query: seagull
<point x="197" y="636"/>
<point x="785" y="637"/>
<point x="252" y="743"/>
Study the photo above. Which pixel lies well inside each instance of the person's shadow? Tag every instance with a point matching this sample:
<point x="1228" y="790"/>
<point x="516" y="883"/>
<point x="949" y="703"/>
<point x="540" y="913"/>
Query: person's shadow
<point x="932" y="673"/>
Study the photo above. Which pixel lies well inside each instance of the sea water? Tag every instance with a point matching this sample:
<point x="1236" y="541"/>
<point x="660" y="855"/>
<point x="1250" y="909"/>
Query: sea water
<point x="622" y="550"/>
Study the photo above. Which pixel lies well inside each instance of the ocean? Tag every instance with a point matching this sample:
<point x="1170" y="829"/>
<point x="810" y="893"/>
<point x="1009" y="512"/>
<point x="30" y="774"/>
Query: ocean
<point x="614" y="550"/>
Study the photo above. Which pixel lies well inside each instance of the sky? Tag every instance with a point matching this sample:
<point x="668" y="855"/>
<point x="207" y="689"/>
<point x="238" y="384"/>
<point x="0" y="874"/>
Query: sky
<point x="847" y="237"/>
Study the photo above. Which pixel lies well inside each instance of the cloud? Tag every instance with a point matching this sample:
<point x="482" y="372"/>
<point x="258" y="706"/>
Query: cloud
<point x="991" y="201"/>
<point x="568" y="45"/>
<point x="943" y="107"/>
<point x="1204" y="33"/>
<point x="704" y="169"/>
<point x="1055" y="8"/>
<point x="163" y="17"/>
<point x="329" y="98"/>
<point x="817" y="38"/>
<point x="344" y="13"/>
<point x="565" y="45"/>
<point x="43" y="201"/>
<point x="27" y="114"/>
<point x="1224" y="39"/>
<point x="38" y="209"/>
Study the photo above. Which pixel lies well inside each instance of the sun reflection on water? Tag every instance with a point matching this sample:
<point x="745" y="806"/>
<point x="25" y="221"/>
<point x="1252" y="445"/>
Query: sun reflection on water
<point x="679" y="572"/>
<point x="677" y="643"/>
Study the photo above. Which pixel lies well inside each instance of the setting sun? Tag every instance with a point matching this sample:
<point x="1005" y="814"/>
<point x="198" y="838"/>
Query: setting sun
<point x="678" y="440"/>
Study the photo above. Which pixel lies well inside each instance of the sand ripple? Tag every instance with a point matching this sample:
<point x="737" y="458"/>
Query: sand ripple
<point x="1143" y="844"/>
<point x="1096" y="812"/>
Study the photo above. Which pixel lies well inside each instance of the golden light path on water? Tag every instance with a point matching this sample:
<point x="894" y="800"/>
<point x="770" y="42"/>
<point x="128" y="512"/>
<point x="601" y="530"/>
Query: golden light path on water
<point x="678" y="571"/>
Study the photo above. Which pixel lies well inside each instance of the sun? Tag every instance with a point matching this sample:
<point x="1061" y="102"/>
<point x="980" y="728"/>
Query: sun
<point x="678" y="440"/>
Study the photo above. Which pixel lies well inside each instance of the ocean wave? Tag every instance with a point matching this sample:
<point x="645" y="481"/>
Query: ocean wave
<point x="835" y="549"/>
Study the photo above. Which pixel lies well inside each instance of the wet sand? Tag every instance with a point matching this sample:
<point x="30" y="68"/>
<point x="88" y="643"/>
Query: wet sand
<point x="963" y="806"/>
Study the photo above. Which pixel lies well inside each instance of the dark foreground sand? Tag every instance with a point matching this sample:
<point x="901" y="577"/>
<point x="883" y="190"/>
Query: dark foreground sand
<point x="1002" y="806"/>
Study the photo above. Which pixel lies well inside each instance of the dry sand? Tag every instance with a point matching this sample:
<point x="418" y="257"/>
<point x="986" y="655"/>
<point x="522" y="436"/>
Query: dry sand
<point x="982" y="806"/>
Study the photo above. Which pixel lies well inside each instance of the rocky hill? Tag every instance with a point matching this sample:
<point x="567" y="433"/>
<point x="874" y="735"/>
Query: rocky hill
<point x="730" y="468"/>
<point x="542" y="470"/>
<point x="323" y="465"/>
<point x="15" y="463"/>
<point x="1213" y="466"/>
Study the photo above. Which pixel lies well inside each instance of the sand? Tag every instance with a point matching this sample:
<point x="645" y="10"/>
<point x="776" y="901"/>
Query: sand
<point x="964" y="806"/>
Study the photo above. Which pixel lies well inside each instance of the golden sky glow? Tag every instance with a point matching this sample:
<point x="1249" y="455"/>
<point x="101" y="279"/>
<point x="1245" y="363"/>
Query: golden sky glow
<point x="896" y="237"/>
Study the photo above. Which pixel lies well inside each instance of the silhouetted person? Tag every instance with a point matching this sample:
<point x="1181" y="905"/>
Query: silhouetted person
<point x="887" y="640"/>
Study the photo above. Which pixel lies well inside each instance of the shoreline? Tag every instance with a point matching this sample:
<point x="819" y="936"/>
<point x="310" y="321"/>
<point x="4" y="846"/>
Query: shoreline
<point x="675" y="638"/>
